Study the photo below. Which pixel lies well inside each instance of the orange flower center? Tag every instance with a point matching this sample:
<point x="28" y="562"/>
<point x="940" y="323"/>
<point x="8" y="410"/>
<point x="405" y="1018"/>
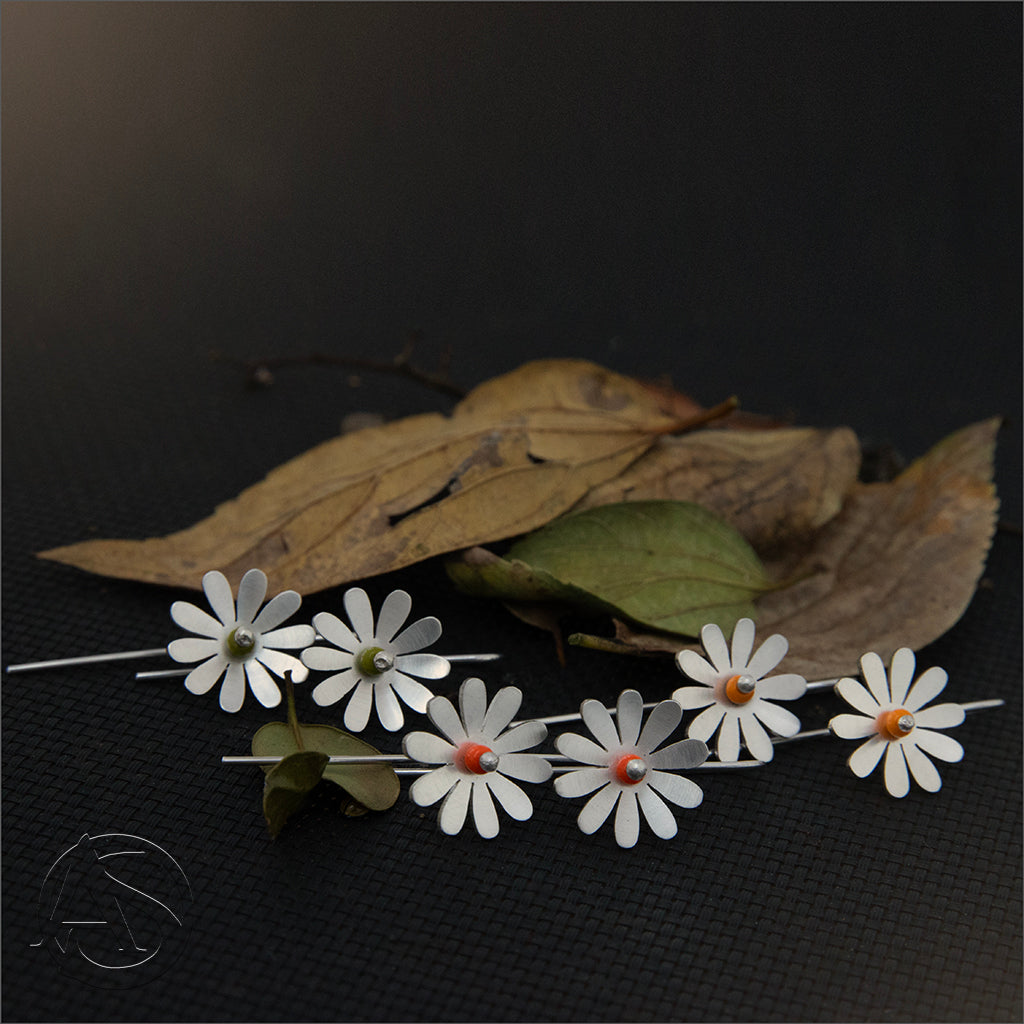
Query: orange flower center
<point x="630" y="769"/>
<point x="895" y="724"/>
<point x="740" y="689"/>
<point x="476" y="758"/>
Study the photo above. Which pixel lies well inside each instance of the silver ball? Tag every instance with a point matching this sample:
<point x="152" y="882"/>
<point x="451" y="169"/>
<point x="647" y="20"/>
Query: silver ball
<point x="746" y="684"/>
<point x="636" y="769"/>
<point x="383" y="662"/>
<point x="244" y="637"/>
<point x="489" y="761"/>
<point x="906" y="722"/>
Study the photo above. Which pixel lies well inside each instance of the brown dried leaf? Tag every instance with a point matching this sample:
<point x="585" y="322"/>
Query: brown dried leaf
<point x="516" y="452"/>
<point x="896" y="568"/>
<point x="772" y="485"/>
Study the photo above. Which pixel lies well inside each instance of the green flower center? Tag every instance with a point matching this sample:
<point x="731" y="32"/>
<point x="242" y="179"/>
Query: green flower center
<point x="374" y="661"/>
<point x="241" y="643"/>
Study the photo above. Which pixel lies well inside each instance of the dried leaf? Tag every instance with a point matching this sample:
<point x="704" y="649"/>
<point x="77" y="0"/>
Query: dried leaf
<point x="896" y="568"/>
<point x="518" y="451"/>
<point x="772" y="485"/>
<point x="670" y="565"/>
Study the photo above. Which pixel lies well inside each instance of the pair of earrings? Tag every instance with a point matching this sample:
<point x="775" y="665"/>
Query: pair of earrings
<point x="245" y="643"/>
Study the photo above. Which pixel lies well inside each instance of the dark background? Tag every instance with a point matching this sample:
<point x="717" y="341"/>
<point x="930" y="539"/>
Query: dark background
<point x="816" y="208"/>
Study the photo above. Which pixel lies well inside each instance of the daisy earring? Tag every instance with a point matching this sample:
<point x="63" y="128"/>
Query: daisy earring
<point x="737" y="693"/>
<point x="477" y="755"/>
<point x="628" y="770"/>
<point x="241" y="643"/>
<point x="376" y="664"/>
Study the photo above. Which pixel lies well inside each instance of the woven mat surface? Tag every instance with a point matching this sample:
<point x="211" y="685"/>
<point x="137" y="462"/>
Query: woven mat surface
<point x="817" y="209"/>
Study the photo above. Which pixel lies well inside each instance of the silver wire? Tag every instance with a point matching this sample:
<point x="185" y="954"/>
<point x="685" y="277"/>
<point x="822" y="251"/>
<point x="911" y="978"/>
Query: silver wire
<point x="89" y="659"/>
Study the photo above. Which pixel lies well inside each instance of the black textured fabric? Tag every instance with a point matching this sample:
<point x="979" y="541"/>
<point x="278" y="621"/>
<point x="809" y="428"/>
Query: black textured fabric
<point x="816" y="208"/>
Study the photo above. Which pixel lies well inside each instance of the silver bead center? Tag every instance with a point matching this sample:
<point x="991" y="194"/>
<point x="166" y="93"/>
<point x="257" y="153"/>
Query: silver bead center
<point x="383" y="662"/>
<point x="906" y="722"/>
<point x="244" y="638"/>
<point x="746" y="684"/>
<point x="636" y="769"/>
<point x="489" y="761"/>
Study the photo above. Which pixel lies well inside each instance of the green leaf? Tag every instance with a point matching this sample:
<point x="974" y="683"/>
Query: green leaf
<point x="288" y="784"/>
<point x="670" y="565"/>
<point x="375" y="786"/>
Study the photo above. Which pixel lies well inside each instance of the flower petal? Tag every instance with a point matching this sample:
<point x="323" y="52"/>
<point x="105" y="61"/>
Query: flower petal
<point x="581" y="749"/>
<point x="485" y="817"/>
<point x="515" y="802"/>
<point x="742" y="642"/>
<point x="527" y="767"/>
<point x="232" y="692"/>
<point x="704" y="725"/>
<point x="426" y="666"/>
<point x="680" y="756"/>
<point x="863" y="760"/>
<point x="359" y="612"/>
<point x="901" y="672"/>
<point x="429" y="788"/>
<point x="938" y="744"/>
<point x="580" y="782"/>
<point x="251" y="591"/>
<point x="627" y="820"/>
<point x="416" y="695"/>
<point x="659" y="817"/>
<point x="897" y="781"/>
<point x="857" y="697"/>
<point x="193" y="648"/>
<point x="853" y="727"/>
<point x="716" y="647"/>
<point x="388" y="709"/>
<point x="691" y="664"/>
<point x="781" y="721"/>
<point x="427" y="748"/>
<point x="928" y="686"/>
<point x="289" y="637"/>
<point x="503" y="708"/>
<point x="357" y="713"/>
<point x="393" y="613"/>
<point x="630" y="712"/>
<point x="331" y="628"/>
<point x="690" y="698"/>
<point x="333" y="688"/>
<point x="263" y="687"/>
<point x="756" y="739"/>
<point x="278" y="662"/>
<point x="442" y="713"/>
<point x="597" y="719"/>
<point x="204" y="677"/>
<point x="940" y="716"/>
<point x="473" y="705"/>
<point x="729" y="737"/>
<point x="677" y="788"/>
<point x="926" y="775"/>
<point x="788" y="686"/>
<point x="195" y="620"/>
<point x="767" y="656"/>
<point x="218" y="593"/>
<point x="596" y="810"/>
<point x="521" y="737"/>
<point x="873" y="671"/>
<point x="661" y="723"/>
<point x="452" y="815"/>
<point x="326" y="659"/>
<point x="422" y="633"/>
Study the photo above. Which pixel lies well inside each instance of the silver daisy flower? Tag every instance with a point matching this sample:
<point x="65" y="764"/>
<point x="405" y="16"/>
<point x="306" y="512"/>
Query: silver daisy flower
<point x="375" y="663"/>
<point x="241" y="643"/>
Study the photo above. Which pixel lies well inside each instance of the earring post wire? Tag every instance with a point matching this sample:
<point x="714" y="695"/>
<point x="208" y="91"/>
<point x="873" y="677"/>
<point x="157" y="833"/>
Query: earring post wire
<point x="88" y="659"/>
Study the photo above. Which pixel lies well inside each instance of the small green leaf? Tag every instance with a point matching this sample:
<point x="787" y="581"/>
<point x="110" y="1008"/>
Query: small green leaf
<point x="288" y="784"/>
<point x="375" y="786"/>
<point x="671" y="565"/>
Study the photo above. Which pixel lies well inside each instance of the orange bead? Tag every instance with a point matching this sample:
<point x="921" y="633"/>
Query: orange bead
<point x="894" y="725"/>
<point x="734" y="692"/>
<point x="469" y="756"/>
<point x="630" y="769"/>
